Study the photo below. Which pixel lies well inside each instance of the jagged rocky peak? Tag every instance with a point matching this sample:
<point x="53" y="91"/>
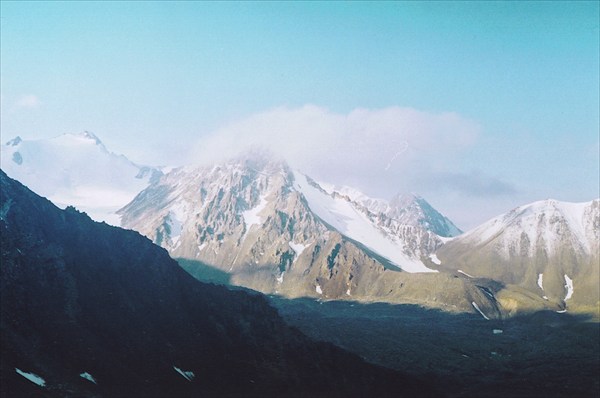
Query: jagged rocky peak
<point x="412" y="209"/>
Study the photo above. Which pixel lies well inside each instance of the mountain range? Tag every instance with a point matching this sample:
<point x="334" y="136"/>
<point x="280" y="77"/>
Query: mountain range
<point x="253" y="221"/>
<point x="93" y="310"/>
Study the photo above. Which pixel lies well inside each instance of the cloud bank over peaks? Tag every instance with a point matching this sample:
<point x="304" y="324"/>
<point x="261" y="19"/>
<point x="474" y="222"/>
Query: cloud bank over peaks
<point x="380" y="150"/>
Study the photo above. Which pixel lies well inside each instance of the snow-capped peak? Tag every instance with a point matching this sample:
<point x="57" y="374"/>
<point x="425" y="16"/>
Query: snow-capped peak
<point x="541" y="225"/>
<point x="78" y="170"/>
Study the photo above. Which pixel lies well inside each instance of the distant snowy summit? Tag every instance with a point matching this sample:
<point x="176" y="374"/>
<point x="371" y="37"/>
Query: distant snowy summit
<point x="550" y="248"/>
<point x="544" y="226"/>
<point x="78" y="170"/>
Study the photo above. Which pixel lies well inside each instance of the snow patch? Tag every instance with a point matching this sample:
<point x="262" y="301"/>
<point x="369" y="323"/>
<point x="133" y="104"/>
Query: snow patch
<point x="569" y="287"/>
<point x="298" y="248"/>
<point x="435" y="259"/>
<point x="189" y="376"/>
<point x="32" y="377"/>
<point x="280" y="278"/>
<point x="348" y="292"/>
<point x="540" y="281"/>
<point x="318" y="289"/>
<point x="175" y="219"/>
<point x="477" y="308"/>
<point x="464" y="273"/>
<point x="251" y="216"/>
<point x="88" y="376"/>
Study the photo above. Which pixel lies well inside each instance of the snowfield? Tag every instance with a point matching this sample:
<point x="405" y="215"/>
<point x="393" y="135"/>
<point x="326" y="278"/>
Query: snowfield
<point x="342" y="215"/>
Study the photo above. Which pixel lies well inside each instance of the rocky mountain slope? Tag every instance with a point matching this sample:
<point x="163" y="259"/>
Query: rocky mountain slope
<point x="93" y="310"/>
<point x="256" y="223"/>
<point x="77" y="170"/>
<point x="549" y="248"/>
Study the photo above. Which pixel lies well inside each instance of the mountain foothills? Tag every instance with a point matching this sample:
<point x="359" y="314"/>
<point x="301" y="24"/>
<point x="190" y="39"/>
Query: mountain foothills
<point x="255" y="222"/>
<point x="93" y="310"/>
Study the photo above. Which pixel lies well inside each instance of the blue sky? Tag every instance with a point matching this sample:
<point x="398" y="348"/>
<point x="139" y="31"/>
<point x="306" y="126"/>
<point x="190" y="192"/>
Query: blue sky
<point x="491" y="105"/>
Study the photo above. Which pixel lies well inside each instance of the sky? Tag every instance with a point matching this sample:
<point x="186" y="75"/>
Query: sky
<point x="479" y="107"/>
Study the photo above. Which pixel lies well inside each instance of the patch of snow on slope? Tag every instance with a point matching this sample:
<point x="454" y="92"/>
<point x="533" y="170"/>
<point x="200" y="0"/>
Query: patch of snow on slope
<point x="251" y="216"/>
<point x="464" y="273"/>
<point x="175" y="220"/>
<point x="481" y="312"/>
<point x="189" y="376"/>
<point x="435" y="259"/>
<point x="318" y="289"/>
<point x="88" y="376"/>
<point x="298" y="248"/>
<point x="540" y="281"/>
<point x="569" y="287"/>
<point x="32" y="377"/>
<point x="341" y="215"/>
<point x="280" y="278"/>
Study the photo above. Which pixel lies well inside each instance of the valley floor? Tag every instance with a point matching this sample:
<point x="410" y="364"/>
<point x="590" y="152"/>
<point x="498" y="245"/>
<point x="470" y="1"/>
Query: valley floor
<point x="542" y="355"/>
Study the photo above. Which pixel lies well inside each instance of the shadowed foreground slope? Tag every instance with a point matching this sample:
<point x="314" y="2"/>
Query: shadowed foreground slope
<point x="82" y="297"/>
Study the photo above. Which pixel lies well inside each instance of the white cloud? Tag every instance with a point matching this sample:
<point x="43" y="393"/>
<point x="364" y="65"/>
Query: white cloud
<point x="380" y="151"/>
<point x="28" y="101"/>
<point x="369" y="148"/>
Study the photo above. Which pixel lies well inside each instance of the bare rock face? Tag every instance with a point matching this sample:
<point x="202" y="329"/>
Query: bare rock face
<point x="546" y="251"/>
<point x="261" y="225"/>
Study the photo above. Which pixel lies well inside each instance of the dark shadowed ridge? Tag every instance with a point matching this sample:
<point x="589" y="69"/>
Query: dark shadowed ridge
<point x="80" y="297"/>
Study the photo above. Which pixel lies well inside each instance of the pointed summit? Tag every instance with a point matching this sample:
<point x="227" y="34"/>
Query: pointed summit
<point x="412" y="209"/>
